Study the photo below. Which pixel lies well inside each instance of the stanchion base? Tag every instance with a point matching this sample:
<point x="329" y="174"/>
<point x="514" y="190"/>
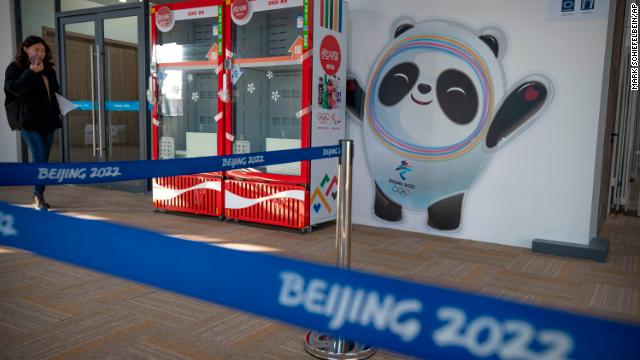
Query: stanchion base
<point x="321" y="346"/>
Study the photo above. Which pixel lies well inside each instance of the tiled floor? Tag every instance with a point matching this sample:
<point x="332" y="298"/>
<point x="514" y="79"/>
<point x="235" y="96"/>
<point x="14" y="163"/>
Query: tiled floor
<point x="52" y="310"/>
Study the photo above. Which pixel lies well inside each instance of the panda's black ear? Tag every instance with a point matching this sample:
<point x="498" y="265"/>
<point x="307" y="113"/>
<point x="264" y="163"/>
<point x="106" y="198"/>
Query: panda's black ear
<point x="492" y="42"/>
<point x="401" y="29"/>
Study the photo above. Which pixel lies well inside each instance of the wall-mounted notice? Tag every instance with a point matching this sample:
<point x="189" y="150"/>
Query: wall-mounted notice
<point x="577" y="9"/>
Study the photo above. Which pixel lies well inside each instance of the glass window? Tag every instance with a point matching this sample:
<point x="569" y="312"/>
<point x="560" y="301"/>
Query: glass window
<point x="188" y="40"/>
<point x="188" y="88"/>
<point x="268" y="33"/>
<point x="38" y="18"/>
<point x="188" y="105"/>
<point x="68" y="5"/>
<point x="79" y="39"/>
<point x="121" y="88"/>
<point x="267" y="77"/>
<point x="264" y="112"/>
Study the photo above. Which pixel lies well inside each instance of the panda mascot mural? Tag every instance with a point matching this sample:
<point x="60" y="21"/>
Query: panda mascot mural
<point x="435" y="107"/>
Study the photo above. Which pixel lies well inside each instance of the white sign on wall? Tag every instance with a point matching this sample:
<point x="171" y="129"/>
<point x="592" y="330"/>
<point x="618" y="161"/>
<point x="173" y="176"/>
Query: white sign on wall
<point x="560" y="10"/>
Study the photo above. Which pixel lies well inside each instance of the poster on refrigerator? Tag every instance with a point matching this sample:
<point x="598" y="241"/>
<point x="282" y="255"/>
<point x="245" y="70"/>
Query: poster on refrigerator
<point x="467" y="122"/>
<point x="329" y="102"/>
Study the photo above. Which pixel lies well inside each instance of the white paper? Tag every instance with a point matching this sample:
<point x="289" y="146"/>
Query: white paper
<point x="236" y="73"/>
<point x="171" y="100"/>
<point x="65" y="105"/>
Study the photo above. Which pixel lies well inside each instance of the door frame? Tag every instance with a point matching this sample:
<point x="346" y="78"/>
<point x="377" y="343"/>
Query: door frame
<point x="99" y="14"/>
<point x="606" y="135"/>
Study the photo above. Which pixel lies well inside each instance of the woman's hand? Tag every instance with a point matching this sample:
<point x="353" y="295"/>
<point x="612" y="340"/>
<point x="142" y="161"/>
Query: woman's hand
<point x="37" y="67"/>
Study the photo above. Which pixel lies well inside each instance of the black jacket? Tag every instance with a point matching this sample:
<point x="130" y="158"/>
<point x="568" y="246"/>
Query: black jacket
<point x="27" y="103"/>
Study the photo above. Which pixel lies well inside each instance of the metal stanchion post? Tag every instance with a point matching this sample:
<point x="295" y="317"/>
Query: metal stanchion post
<point x="325" y="346"/>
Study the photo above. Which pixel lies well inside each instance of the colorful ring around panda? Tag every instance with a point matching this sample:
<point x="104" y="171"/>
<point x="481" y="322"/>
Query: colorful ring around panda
<point x="455" y="48"/>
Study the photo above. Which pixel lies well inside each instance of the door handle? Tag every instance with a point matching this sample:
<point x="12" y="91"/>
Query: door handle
<point x="93" y="99"/>
<point x="108" y="130"/>
<point x="99" y="99"/>
<point x="613" y="137"/>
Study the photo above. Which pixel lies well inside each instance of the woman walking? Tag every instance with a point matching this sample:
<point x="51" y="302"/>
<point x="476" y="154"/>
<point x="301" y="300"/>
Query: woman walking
<point x="30" y="85"/>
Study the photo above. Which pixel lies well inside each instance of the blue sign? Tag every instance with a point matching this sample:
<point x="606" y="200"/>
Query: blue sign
<point x="83" y="105"/>
<point x="587" y="4"/>
<point x="99" y="172"/>
<point x="109" y="105"/>
<point x="414" y="319"/>
<point x="122" y="106"/>
<point x="568" y="5"/>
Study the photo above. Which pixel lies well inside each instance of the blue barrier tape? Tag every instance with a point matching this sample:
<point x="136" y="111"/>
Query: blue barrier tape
<point x="86" y="173"/>
<point x="410" y="318"/>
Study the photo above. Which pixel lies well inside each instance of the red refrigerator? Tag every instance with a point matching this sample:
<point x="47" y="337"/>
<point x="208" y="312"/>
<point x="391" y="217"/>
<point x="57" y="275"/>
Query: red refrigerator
<point x="187" y="115"/>
<point x="286" y="61"/>
<point x="246" y="76"/>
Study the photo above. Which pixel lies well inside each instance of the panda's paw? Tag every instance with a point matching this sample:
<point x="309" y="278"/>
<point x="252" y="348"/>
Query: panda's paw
<point x="388" y="214"/>
<point x="385" y="208"/>
<point x="445" y="214"/>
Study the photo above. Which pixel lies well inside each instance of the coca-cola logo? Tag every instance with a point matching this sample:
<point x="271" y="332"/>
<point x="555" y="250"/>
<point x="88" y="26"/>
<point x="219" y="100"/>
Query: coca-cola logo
<point x="330" y="55"/>
<point x="241" y="12"/>
<point x="165" y="19"/>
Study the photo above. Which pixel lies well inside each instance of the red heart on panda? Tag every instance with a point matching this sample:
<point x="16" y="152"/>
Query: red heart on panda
<point x="531" y="94"/>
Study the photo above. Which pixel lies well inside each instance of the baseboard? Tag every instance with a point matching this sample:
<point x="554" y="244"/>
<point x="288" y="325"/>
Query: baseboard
<point x="597" y="249"/>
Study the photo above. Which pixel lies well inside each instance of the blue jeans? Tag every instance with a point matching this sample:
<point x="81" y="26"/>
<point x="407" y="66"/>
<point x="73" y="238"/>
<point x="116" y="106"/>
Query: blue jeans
<point x="40" y="146"/>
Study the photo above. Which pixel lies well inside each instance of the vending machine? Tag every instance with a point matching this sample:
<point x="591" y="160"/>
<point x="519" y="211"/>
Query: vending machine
<point x="285" y="61"/>
<point x="187" y="112"/>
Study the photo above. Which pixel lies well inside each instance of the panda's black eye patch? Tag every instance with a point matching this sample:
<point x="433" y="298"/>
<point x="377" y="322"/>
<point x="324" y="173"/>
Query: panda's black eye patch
<point x="457" y="96"/>
<point x="397" y="83"/>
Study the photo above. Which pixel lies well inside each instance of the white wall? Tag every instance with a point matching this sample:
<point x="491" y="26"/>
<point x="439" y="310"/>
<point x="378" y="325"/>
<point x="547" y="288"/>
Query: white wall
<point x="8" y="139"/>
<point x="541" y="184"/>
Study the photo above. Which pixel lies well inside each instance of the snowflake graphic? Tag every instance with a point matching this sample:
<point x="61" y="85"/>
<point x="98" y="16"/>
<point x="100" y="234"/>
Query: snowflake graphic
<point x="195" y="96"/>
<point x="269" y="74"/>
<point x="275" y="95"/>
<point x="251" y="88"/>
<point x="190" y="77"/>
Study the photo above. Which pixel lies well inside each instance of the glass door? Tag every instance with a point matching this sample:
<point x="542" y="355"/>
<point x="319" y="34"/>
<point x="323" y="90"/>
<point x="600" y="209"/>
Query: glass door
<point x="122" y="105"/>
<point x="81" y="132"/>
<point x="101" y="63"/>
<point x="186" y="59"/>
<point x="267" y="77"/>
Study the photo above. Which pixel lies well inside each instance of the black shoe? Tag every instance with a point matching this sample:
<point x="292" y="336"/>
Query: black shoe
<point x="40" y="204"/>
